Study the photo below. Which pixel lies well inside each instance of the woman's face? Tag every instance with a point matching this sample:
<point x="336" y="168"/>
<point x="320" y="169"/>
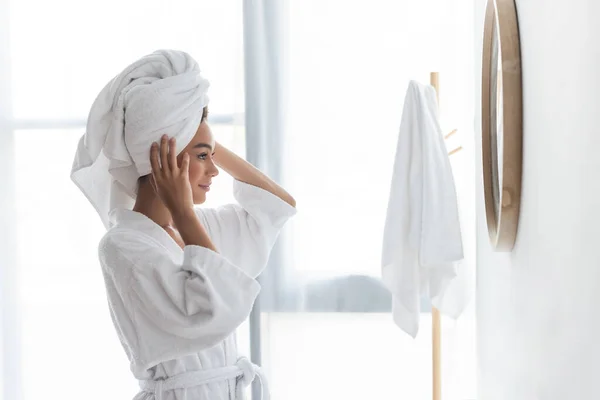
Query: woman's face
<point x="202" y="167"/>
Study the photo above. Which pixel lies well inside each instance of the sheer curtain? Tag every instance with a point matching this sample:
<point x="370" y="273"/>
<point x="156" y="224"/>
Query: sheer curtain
<point x="58" y="340"/>
<point x="322" y="326"/>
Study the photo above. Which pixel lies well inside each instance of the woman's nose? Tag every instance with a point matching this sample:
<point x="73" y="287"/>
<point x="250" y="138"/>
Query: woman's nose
<point x="213" y="170"/>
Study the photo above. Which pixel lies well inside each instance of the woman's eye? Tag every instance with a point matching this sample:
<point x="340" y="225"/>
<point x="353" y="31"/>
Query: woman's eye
<point x="202" y="156"/>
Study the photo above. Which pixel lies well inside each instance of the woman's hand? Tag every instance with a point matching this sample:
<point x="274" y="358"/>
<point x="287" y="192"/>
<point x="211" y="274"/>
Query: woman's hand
<point x="170" y="181"/>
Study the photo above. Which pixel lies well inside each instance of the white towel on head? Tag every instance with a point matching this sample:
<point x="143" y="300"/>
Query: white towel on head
<point x="161" y="93"/>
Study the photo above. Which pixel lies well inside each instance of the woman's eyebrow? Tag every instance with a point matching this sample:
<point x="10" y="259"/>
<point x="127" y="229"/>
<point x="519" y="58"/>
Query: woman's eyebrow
<point x="199" y="145"/>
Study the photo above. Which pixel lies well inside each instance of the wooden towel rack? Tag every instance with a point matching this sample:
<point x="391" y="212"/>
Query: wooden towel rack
<point x="436" y="327"/>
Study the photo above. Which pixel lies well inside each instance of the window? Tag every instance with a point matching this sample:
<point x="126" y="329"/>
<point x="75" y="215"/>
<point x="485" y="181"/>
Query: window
<point x="326" y="331"/>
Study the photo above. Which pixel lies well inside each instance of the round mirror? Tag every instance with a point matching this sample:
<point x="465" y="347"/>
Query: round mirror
<point x="496" y="120"/>
<point x="502" y="123"/>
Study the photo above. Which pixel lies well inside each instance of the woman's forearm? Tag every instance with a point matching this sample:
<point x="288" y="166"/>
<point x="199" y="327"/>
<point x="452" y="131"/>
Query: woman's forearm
<point x="243" y="171"/>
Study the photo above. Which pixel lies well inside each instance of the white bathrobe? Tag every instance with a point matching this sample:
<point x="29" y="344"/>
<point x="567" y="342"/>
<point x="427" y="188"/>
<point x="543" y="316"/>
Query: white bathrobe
<point x="176" y="310"/>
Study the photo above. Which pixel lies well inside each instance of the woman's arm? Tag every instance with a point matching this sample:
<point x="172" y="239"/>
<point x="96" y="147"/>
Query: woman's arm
<point x="202" y="297"/>
<point x="243" y="171"/>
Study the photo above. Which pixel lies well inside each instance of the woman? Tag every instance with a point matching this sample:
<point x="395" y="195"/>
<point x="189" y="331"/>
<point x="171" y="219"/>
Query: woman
<point x="179" y="279"/>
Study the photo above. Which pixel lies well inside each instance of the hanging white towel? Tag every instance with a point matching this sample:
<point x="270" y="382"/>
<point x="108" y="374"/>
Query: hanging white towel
<point x="422" y="237"/>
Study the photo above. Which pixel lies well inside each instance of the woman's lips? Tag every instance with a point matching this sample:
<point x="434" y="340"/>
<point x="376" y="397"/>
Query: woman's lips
<point x="205" y="187"/>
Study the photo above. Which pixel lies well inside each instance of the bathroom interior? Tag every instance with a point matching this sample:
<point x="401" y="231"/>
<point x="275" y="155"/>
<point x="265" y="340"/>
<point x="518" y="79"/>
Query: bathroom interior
<point x="313" y="92"/>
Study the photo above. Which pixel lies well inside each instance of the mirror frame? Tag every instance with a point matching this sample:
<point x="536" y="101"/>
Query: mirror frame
<point x="502" y="227"/>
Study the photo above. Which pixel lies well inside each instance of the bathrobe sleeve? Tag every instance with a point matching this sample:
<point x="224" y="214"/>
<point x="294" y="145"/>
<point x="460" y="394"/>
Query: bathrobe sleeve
<point x="204" y="297"/>
<point x="246" y="232"/>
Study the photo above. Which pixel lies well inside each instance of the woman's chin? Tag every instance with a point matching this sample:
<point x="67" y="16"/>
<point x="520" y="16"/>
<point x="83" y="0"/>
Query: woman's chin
<point x="199" y="198"/>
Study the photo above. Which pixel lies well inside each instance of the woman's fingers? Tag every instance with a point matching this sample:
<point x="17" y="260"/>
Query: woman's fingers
<point x="164" y="156"/>
<point x="185" y="165"/>
<point x="172" y="155"/>
<point x="154" y="159"/>
<point x="163" y="159"/>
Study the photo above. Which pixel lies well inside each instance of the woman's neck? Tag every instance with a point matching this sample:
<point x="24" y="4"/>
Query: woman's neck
<point x="149" y="204"/>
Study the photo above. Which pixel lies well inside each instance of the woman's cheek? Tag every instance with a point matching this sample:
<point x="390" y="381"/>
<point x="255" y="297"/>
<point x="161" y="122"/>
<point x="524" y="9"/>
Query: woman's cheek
<point x="195" y="168"/>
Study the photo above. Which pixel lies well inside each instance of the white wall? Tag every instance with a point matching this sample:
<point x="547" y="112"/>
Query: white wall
<point x="538" y="308"/>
